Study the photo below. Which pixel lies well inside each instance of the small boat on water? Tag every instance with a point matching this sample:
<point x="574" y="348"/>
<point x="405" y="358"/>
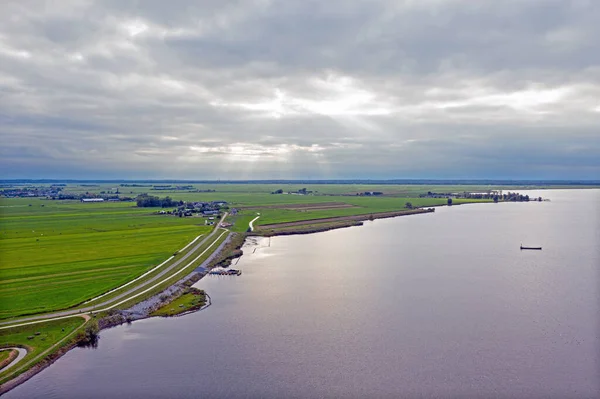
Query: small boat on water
<point x="533" y="248"/>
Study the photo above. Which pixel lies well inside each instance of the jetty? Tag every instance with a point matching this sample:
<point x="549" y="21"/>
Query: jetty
<point x="532" y="248"/>
<point x="226" y="272"/>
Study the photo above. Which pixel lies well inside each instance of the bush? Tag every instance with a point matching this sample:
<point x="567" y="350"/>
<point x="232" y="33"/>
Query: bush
<point x="89" y="336"/>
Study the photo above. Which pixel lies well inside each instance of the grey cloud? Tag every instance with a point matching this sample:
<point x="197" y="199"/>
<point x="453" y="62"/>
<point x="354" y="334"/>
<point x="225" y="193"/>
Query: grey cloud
<point x="300" y="88"/>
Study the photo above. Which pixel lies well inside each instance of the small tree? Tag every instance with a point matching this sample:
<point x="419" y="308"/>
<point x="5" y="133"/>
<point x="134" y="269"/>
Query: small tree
<point x="449" y="201"/>
<point x="408" y="205"/>
<point x="89" y="336"/>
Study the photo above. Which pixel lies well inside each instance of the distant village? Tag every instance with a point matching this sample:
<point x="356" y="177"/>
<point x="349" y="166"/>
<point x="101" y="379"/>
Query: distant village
<point x="210" y="210"/>
<point x="302" y="191"/>
<point x="32" y="191"/>
<point x="55" y="192"/>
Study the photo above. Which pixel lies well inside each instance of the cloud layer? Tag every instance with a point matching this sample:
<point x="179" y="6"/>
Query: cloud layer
<point x="300" y="89"/>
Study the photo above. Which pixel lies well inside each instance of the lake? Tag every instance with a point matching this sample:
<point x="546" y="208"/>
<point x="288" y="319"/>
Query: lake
<point x="433" y="305"/>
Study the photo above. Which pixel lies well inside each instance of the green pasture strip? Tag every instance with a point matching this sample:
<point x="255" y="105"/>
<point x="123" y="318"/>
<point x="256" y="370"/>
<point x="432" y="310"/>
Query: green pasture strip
<point x="36" y="300"/>
<point x="39" y="227"/>
<point x="74" y="274"/>
<point x="19" y="253"/>
<point x="57" y="269"/>
<point x="39" y="206"/>
<point x="18" y="287"/>
<point x="363" y="206"/>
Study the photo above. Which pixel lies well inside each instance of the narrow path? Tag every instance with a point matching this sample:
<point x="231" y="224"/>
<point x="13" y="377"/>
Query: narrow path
<point x="125" y="296"/>
<point x="20" y="356"/>
<point x="252" y="223"/>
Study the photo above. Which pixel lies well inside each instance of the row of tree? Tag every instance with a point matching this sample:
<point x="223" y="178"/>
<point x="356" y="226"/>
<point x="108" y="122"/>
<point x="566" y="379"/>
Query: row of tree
<point x="148" y="201"/>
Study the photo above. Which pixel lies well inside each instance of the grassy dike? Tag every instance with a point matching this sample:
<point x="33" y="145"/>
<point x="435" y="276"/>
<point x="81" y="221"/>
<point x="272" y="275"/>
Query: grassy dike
<point x="190" y="252"/>
<point x="144" y="293"/>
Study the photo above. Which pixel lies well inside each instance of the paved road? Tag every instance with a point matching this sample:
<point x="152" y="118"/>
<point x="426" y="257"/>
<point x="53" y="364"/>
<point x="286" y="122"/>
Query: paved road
<point x="252" y="223"/>
<point x="20" y="356"/>
<point x="123" y="297"/>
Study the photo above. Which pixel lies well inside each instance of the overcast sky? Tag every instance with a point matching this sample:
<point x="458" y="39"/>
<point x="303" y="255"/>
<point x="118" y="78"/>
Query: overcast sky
<point x="300" y="89"/>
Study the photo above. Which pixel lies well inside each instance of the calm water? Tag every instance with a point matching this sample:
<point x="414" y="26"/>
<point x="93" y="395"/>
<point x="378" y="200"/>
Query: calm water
<point x="437" y="305"/>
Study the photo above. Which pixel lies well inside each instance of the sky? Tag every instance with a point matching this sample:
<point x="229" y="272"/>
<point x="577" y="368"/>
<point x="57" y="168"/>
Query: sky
<point x="338" y="89"/>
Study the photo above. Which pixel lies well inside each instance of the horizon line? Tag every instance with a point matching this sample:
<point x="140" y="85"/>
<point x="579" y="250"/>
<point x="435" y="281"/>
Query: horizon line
<point x="313" y="181"/>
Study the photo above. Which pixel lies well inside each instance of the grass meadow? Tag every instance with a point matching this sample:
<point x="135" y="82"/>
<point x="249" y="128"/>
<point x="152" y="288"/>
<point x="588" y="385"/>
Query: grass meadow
<point x="60" y="254"/>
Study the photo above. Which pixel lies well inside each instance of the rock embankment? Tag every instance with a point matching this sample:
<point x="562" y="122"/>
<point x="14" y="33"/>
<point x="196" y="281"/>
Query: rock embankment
<point x="143" y="309"/>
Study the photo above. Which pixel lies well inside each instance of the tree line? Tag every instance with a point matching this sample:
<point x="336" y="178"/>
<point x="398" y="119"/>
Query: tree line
<point x="149" y="201"/>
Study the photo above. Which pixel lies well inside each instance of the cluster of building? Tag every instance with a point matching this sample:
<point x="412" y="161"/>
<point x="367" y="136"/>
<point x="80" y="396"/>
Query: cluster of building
<point x="169" y="187"/>
<point x="370" y="193"/>
<point x="302" y="191"/>
<point x="208" y="209"/>
<point x="51" y="192"/>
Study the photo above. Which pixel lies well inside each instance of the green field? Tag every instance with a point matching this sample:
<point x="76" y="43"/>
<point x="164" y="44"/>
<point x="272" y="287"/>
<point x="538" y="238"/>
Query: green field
<point x="362" y="206"/>
<point x="63" y="253"/>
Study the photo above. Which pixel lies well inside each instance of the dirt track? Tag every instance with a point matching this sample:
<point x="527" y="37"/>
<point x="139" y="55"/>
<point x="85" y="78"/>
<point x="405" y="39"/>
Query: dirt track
<point x="304" y="207"/>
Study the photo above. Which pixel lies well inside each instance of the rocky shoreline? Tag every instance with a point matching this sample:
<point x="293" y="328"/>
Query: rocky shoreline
<point x="143" y="309"/>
